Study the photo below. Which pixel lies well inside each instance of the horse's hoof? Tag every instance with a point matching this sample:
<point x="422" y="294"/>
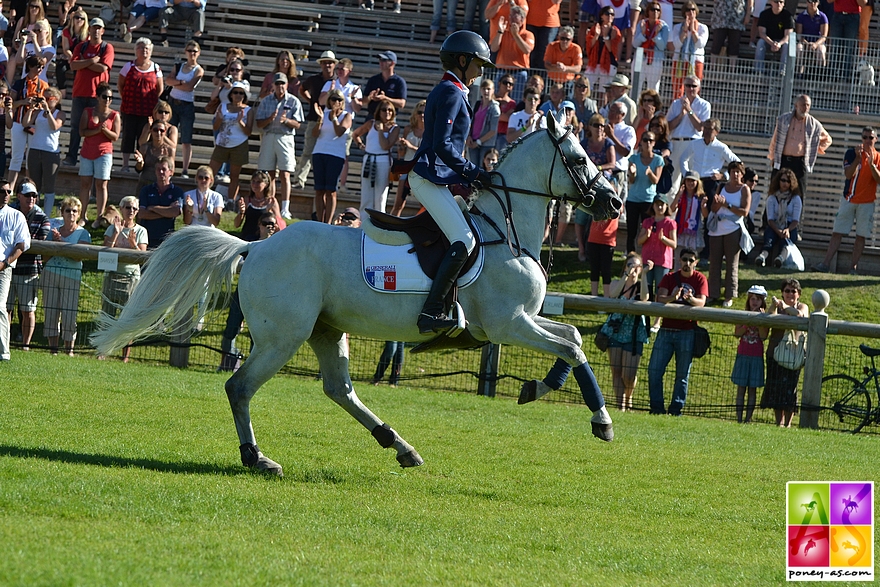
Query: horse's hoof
<point x="603" y="431"/>
<point x="528" y="393"/>
<point x="410" y="459"/>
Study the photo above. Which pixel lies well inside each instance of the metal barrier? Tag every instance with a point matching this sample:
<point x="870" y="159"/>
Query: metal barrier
<point x="495" y="370"/>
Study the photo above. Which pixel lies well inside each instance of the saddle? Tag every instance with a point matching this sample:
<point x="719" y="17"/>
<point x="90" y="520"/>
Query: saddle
<point x="429" y="242"/>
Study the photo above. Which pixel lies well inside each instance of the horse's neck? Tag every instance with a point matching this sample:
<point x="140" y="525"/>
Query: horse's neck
<point x="529" y="212"/>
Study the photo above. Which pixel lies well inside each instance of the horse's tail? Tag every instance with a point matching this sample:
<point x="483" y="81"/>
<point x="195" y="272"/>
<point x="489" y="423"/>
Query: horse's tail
<point x="177" y="275"/>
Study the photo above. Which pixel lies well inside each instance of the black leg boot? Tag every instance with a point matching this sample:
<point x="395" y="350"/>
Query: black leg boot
<point x="433" y="317"/>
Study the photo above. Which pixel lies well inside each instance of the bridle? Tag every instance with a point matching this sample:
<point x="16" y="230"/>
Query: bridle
<point x="585" y="197"/>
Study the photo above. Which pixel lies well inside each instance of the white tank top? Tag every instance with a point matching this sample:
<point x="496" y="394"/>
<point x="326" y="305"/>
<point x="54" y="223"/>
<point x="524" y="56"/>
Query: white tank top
<point x="372" y="143"/>
<point x="185" y="78"/>
<point x="727" y="219"/>
<point x="328" y="143"/>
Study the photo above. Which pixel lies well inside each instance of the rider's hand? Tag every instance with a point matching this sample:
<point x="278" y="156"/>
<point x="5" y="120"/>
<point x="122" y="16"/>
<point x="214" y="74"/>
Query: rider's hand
<point x="484" y="179"/>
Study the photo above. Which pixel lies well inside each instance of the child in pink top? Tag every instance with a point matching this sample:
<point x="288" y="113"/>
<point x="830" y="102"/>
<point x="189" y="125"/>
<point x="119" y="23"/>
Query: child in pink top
<point x="748" y="369"/>
<point x="658" y="238"/>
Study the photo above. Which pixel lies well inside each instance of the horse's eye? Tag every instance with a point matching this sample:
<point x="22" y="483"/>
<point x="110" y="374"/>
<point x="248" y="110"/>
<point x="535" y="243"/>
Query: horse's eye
<point x="581" y="161"/>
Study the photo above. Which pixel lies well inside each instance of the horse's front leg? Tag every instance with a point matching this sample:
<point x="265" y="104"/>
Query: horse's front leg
<point x="331" y="348"/>
<point x="563" y="341"/>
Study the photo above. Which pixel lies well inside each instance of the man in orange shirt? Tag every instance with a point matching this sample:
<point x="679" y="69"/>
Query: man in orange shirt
<point x="543" y="22"/>
<point x="513" y="43"/>
<point x="860" y="165"/>
<point x="563" y="59"/>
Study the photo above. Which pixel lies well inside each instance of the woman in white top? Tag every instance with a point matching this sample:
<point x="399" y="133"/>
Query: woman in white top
<point x="725" y="235"/>
<point x="44" y="154"/>
<point x="332" y="133"/>
<point x="202" y="206"/>
<point x="233" y="124"/>
<point x="38" y="42"/>
<point x="381" y="135"/>
<point x="183" y="85"/>
<point x="407" y="146"/>
<point x="687" y="42"/>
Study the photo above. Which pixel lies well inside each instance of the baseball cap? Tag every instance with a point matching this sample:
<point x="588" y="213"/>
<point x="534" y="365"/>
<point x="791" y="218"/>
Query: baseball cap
<point x="280" y="77"/>
<point x="27" y="188"/>
<point x="692" y="175"/>
<point x="96" y="22"/>
<point x="352" y="212"/>
<point x="567" y="104"/>
<point x="389" y="55"/>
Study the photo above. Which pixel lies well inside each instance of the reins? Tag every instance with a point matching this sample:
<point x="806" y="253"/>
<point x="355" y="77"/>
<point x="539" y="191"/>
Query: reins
<point x="512" y="236"/>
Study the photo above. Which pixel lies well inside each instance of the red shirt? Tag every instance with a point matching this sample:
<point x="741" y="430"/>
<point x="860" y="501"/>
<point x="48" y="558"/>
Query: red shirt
<point x="85" y="84"/>
<point x="848" y="6"/>
<point x="603" y="232"/>
<point x="96" y="145"/>
<point x="700" y="287"/>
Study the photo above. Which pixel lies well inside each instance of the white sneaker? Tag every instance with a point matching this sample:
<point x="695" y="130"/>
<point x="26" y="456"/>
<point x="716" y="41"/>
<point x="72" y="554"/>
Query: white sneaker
<point x="727" y="303"/>
<point x="286" y="215"/>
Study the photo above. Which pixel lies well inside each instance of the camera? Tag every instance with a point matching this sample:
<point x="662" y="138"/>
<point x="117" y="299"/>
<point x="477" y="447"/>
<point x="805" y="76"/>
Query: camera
<point x="228" y="79"/>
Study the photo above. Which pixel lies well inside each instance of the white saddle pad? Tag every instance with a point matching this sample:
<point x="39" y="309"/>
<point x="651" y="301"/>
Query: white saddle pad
<point x="393" y="269"/>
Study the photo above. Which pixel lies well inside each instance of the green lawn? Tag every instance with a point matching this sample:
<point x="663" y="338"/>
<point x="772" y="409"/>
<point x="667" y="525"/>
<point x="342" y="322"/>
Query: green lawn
<point x="129" y="474"/>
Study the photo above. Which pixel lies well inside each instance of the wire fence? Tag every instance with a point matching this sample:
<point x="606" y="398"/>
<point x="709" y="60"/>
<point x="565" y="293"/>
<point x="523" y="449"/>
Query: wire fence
<point x="711" y="392"/>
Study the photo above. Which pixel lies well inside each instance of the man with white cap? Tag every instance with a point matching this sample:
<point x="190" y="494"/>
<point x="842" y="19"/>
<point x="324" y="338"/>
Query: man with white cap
<point x="26" y="274"/>
<point x="15" y="239"/>
<point x="310" y="92"/>
<point x="617" y="91"/>
<point x="385" y="84"/>
<point x="278" y="116"/>
<point x="91" y="62"/>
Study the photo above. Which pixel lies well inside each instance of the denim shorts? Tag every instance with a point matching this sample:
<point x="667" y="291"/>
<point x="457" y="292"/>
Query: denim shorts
<point x="98" y="168"/>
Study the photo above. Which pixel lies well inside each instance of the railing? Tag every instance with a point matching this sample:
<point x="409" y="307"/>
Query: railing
<point x="496" y="370"/>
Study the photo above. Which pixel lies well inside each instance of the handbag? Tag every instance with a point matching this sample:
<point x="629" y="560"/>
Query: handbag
<point x="702" y="342"/>
<point x="607" y="330"/>
<point x="601" y="341"/>
<point x="791" y="352"/>
<point x="212" y="105"/>
<point x="712" y="222"/>
<point x="791" y="256"/>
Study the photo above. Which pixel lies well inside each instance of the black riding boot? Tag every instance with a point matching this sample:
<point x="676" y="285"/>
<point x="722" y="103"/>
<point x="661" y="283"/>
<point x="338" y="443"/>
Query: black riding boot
<point x="433" y="317"/>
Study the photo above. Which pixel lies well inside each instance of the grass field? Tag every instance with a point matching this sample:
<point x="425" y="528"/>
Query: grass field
<point x="129" y="475"/>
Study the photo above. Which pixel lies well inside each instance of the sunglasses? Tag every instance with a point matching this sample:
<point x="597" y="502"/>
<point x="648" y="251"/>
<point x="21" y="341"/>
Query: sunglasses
<point x="269" y="224"/>
<point x="163" y="112"/>
<point x="158" y="129"/>
<point x="868" y="138"/>
<point x="647" y="140"/>
<point x="789" y="291"/>
<point x="31" y="195"/>
<point x="564" y="38"/>
<point x="203" y="177"/>
<point x="78" y="18"/>
<point x="688" y="260"/>
<point x="581" y="86"/>
<point x="334" y="99"/>
<point x="5" y="191"/>
<point x="236" y="70"/>
<point x="690" y="9"/>
<point x="69" y="210"/>
<point x="596" y="125"/>
<point x="508" y="83"/>
<point x="130" y="208"/>
<point x="236" y="93"/>
<point x="784" y="180"/>
<point x="691" y="86"/>
<point x="108" y="97"/>
<point x="192" y="50"/>
<point x="386" y="109"/>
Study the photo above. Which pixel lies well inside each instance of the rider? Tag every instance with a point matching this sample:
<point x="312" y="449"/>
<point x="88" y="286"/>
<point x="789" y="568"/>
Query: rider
<point x="440" y="162"/>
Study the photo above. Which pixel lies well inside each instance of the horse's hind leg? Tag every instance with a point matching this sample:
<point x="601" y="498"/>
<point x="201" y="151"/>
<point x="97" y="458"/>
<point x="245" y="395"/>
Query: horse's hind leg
<point x="331" y="348"/>
<point x="260" y="366"/>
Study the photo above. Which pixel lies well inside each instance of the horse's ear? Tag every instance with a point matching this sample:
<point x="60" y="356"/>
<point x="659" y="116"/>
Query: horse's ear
<point x="552" y="124"/>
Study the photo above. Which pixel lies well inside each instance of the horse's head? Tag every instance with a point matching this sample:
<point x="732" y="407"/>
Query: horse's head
<point x="577" y="179"/>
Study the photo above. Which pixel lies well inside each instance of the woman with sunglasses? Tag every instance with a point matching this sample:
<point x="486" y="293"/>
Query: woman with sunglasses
<point x="140" y="84"/>
<point x="147" y="155"/>
<point x="182" y="100"/>
<point x="100" y="128"/>
<point x="506" y="106"/>
<point x="44" y="152"/>
<point x="75" y="32"/>
<point x="202" y="206"/>
<point x="233" y="73"/>
<point x="780" y="387"/>
<point x="35" y="42"/>
<point x="645" y="168"/>
<point x="687" y="41"/>
<point x="603" y="45"/>
<point x="123" y="233"/>
<point x="727" y="233"/>
<point x="381" y="135"/>
<point x="61" y="280"/>
<point x="233" y="124"/>
<point x="36" y="11"/>
<point x="486" y="114"/>
<point x="600" y="150"/>
<point x="783" y="212"/>
<point x="162" y="113"/>
<point x="328" y="156"/>
<point x="652" y="35"/>
<point x="407" y="145"/>
<point x="252" y="207"/>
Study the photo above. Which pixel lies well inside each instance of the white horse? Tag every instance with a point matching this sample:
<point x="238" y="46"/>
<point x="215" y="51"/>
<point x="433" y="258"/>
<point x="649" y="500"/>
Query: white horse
<point x="305" y="284"/>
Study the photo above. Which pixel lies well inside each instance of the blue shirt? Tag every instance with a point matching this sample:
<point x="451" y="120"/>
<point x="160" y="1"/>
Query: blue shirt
<point x="159" y="228"/>
<point x="642" y="191"/>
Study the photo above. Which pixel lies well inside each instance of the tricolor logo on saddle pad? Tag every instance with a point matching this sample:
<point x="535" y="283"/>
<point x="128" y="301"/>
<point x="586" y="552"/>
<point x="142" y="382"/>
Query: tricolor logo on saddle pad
<point x="382" y="277"/>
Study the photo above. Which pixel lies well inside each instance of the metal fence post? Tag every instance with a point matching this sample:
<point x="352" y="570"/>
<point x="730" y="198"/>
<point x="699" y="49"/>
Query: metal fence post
<point x="788" y="78"/>
<point x="636" y="81"/>
<point x="815" y="361"/>
<point x="490" y="363"/>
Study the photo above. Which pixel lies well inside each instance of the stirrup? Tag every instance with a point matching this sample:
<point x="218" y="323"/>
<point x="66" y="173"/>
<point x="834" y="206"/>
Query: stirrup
<point x="452" y="325"/>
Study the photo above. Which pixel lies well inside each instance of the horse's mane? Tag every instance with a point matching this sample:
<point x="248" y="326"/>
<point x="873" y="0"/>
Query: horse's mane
<point x="511" y="146"/>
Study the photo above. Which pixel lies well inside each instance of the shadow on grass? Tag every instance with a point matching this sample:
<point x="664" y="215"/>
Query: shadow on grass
<point x="64" y="456"/>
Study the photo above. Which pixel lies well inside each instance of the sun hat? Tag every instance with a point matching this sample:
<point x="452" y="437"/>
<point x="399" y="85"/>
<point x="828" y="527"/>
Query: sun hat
<point x="327" y="56"/>
<point x="758" y="290"/>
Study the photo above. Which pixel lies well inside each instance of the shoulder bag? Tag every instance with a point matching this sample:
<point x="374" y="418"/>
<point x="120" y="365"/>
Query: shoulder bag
<point x="791" y="352"/>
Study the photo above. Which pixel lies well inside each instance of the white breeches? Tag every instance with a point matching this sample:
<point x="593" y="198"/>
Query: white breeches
<point x="439" y="202"/>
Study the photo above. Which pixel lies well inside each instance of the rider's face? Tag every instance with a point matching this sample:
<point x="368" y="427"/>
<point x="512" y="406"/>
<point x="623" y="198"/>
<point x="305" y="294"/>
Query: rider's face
<point x="474" y="70"/>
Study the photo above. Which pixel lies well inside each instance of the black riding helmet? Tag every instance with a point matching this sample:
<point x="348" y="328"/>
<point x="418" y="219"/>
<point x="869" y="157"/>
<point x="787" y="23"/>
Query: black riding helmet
<point x="466" y="43"/>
